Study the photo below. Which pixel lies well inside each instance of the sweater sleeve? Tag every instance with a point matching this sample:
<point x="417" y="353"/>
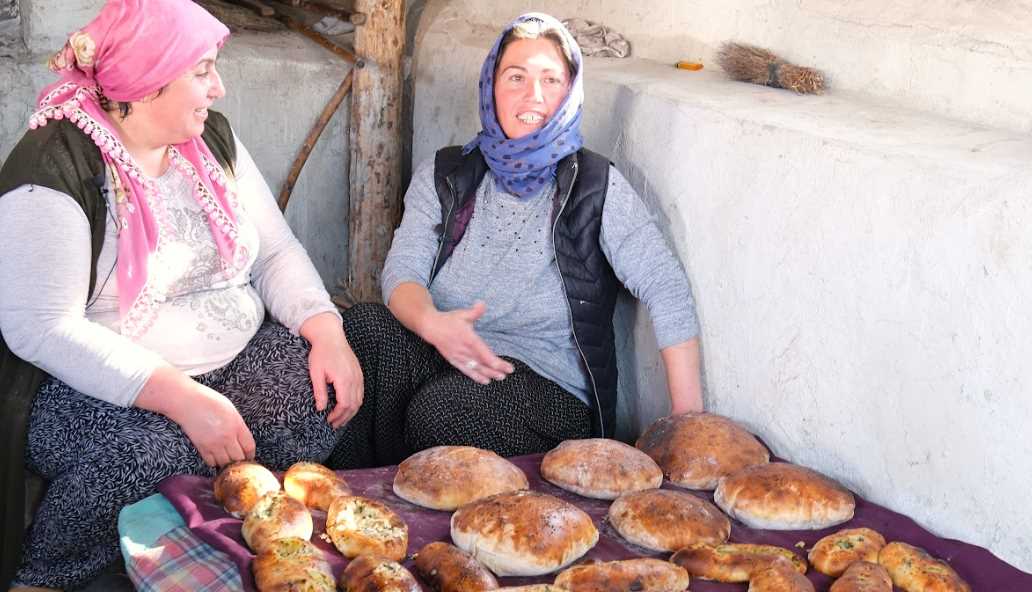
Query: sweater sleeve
<point x="415" y="243"/>
<point x="284" y="276"/>
<point x="44" y="281"/>
<point x="645" y="264"/>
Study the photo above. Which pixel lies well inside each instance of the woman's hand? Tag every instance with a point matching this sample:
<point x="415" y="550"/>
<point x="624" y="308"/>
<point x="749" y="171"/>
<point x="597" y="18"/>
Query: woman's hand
<point x="331" y="361"/>
<point x="454" y="336"/>
<point x="208" y="418"/>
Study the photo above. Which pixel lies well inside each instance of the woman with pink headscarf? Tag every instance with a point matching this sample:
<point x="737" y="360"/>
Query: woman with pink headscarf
<point x="141" y="250"/>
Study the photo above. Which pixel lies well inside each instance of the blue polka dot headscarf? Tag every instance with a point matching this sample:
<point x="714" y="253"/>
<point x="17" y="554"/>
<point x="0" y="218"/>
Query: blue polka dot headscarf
<point x="524" y="165"/>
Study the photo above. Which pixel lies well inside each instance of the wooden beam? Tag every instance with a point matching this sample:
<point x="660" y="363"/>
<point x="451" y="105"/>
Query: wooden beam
<point x="376" y="148"/>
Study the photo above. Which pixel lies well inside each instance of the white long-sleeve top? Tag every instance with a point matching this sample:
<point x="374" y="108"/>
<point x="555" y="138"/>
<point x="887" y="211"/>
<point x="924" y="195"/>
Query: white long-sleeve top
<point x="203" y="323"/>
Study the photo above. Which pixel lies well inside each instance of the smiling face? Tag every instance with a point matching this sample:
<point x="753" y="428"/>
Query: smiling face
<point x="179" y="111"/>
<point x="531" y="82"/>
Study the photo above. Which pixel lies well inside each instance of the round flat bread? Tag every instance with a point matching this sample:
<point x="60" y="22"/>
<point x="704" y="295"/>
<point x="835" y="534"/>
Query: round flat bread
<point x="783" y="496"/>
<point x="314" y="485"/>
<point x="360" y="526"/>
<point x="863" y="576"/>
<point x="914" y="570"/>
<point x="664" y="520"/>
<point x="292" y="564"/>
<point x="446" y="477"/>
<point x="600" y="468"/>
<point x="781" y="576"/>
<point x="696" y="449"/>
<point x="276" y="516"/>
<point x="239" y="486"/>
<point x="835" y="552"/>
<point x="640" y="575"/>
<point x="732" y="562"/>
<point x="523" y="533"/>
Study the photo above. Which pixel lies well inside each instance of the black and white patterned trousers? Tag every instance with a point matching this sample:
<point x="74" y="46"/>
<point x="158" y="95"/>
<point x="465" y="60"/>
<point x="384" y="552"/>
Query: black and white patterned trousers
<point x="415" y="399"/>
<point x="99" y="457"/>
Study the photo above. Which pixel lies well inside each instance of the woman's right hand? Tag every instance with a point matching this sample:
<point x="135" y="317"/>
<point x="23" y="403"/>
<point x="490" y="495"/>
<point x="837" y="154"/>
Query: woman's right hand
<point x="208" y="418"/>
<point x="454" y="336"/>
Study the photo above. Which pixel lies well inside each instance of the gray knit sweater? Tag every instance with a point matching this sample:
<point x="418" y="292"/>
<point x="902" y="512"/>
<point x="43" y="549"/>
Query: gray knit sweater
<point x="507" y="260"/>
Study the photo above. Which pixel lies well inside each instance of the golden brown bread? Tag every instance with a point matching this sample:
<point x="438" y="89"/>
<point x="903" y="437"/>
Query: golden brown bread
<point x="665" y="520"/>
<point x="314" y="485"/>
<point x="533" y="588"/>
<point x="446" y="477"/>
<point x="732" y="562"/>
<point x="783" y="496"/>
<point x="239" y="485"/>
<point x="523" y="533"/>
<point x="696" y="449"/>
<point x="600" y="468"/>
<point x="276" y="516"/>
<point x="836" y="552"/>
<point x="372" y="573"/>
<point x="363" y="526"/>
<point x="640" y="575"/>
<point x="914" y="570"/>
<point x="292" y="565"/>
<point x="447" y="568"/>
<point x="863" y="576"/>
<point x="779" y="576"/>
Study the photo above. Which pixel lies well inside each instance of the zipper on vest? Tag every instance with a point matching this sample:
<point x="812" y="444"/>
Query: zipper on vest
<point x="566" y="297"/>
<point x="444" y="231"/>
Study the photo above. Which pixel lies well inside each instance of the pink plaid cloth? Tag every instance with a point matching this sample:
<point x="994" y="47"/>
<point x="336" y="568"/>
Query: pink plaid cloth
<point x="181" y="562"/>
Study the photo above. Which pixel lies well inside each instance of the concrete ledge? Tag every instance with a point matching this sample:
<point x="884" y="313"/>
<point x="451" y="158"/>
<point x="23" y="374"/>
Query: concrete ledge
<point x="277" y="85"/>
<point x="860" y="270"/>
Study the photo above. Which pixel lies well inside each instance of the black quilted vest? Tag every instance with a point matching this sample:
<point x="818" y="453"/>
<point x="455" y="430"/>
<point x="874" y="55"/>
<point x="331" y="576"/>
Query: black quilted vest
<point x="591" y="286"/>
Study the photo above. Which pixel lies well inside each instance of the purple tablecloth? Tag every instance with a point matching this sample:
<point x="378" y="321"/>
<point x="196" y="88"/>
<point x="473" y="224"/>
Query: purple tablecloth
<point x="193" y="498"/>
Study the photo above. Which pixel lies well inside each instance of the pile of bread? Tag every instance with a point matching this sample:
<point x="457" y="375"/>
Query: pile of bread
<point x="499" y="527"/>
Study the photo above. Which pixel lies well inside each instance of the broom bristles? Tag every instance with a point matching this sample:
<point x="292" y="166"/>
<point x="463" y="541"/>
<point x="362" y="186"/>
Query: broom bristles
<point x="748" y="63"/>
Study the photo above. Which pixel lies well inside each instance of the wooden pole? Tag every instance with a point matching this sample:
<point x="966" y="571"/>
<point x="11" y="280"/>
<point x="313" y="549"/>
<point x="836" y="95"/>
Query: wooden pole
<point x="375" y="146"/>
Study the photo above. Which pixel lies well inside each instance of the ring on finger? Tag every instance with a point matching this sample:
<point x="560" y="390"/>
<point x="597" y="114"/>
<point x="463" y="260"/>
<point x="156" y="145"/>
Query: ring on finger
<point x="471" y="365"/>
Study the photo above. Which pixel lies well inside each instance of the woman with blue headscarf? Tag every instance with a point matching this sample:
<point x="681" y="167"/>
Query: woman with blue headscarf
<point x="503" y="276"/>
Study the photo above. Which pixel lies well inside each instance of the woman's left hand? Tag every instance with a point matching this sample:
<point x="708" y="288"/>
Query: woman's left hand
<point x="331" y="361"/>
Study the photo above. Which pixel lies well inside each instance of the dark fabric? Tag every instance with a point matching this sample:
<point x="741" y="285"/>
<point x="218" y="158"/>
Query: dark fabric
<point x="415" y="400"/>
<point x="99" y="457"/>
<point x="60" y="157"/>
<point x="191" y="496"/>
<point x="590" y="283"/>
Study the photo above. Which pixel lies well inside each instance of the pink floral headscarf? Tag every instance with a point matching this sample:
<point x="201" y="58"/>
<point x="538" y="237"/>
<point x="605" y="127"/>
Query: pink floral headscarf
<point x="130" y="50"/>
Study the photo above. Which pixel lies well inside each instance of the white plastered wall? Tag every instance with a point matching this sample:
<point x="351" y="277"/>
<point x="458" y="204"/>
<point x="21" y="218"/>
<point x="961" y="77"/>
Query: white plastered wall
<point x="861" y="260"/>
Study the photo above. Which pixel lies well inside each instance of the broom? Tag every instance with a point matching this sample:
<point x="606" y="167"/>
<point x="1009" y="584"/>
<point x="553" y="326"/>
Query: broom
<point x="748" y="63"/>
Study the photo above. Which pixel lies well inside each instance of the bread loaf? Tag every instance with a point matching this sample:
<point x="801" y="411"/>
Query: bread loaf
<point x="238" y="486"/>
<point x="276" y="516"/>
<point x="695" y="450"/>
<point x="292" y="564"/>
<point x="836" y="552"/>
<point x="447" y="568"/>
<point x="640" y="575"/>
<point x="783" y="496"/>
<point x="779" y="576"/>
<point x="665" y="520"/>
<point x="363" y="526"/>
<point x="314" y="485"/>
<point x="446" y="477"/>
<point x="914" y="570"/>
<point x="732" y="562"/>
<point x="600" y="468"/>
<point x="371" y="573"/>
<point x="863" y="576"/>
<point x="523" y="533"/>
